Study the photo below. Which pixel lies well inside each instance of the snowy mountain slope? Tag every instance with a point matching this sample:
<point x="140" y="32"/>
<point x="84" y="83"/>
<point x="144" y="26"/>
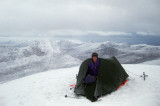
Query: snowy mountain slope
<point x="125" y="53"/>
<point x="153" y="62"/>
<point x="38" y="56"/>
<point x="48" y="89"/>
<point x="20" y="58"/>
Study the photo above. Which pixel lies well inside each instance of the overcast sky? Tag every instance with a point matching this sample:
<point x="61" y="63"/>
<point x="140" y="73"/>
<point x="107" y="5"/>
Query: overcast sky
<point x="79" y="17"/>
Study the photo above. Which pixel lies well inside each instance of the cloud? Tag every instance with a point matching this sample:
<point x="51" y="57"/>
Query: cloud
<point x="83" y="33"/>
<point x="146" y="33"/>
<point x="102" y="33"/>
<point x="71" y="17"/>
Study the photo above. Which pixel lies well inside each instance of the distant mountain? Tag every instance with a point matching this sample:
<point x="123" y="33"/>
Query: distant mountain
<point x="129" y="39"/>
<point x="22" y="58"/>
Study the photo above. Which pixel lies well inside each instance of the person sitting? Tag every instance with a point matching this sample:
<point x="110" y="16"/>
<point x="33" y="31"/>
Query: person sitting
<point x="92" y="72"/>
<point x="91" y="77"/>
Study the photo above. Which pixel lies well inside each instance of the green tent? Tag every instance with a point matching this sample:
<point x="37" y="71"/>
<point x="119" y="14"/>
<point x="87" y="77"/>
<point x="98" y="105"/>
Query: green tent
<point x="110" y="76"/>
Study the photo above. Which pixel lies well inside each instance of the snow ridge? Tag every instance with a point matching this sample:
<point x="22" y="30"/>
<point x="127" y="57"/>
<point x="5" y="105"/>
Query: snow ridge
<point x="22" y="58"/>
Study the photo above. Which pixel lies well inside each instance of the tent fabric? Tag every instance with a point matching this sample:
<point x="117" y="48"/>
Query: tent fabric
<point x="110" y="76"/>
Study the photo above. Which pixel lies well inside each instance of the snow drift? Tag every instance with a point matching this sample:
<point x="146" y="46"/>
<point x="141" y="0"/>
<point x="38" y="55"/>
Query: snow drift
<point x="48" y="89"/>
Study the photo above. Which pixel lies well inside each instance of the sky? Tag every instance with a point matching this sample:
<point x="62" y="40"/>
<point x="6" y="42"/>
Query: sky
<point x="70" y="18"/>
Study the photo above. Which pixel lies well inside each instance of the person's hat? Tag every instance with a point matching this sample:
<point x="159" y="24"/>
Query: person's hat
<point x="94" y="55"/>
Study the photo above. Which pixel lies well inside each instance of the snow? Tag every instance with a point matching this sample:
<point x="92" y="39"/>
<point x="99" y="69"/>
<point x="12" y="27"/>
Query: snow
<point x="153" y="62"/>
<point x="48" y="89"/>
<point x="22" y="57"/>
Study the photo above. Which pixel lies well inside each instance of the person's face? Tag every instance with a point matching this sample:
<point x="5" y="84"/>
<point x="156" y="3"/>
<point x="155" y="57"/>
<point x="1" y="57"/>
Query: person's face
<point x="94" y="59"/>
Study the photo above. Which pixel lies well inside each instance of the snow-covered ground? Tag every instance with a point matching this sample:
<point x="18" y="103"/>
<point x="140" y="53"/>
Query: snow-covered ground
<point x="48" y="89"/>
<point x="153" y="62"/>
